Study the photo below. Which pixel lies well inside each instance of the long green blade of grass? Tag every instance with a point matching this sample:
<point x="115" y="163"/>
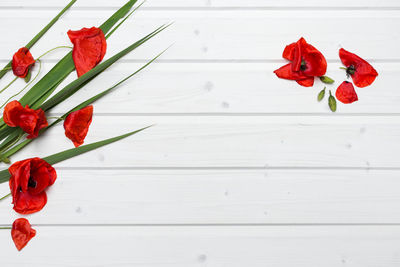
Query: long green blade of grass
<point x="43" y="89"/>
<point x="39" y="35"/>
<point x="91" y="100"/>
<point x="66" y="65"/>
<point x="70" y="153"/>
<point x="74" y="86"/>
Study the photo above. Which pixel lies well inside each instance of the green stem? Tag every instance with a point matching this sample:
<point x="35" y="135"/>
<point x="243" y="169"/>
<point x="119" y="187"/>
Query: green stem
<point x="4" y="228"/>
<point x="51" y="50"/>
<point x="7" y="144"/>
<point x="56" y="118"/>
<point x="5" y="196"/>
<point x="24" y="143"/>
<point x="127" y="16"/>
<point x="342" y="68"/>
<point x="26" y="86"/>
<point x="41" y="33"/>
<point x="7" y="68"/>
<point x="8" y="85"/>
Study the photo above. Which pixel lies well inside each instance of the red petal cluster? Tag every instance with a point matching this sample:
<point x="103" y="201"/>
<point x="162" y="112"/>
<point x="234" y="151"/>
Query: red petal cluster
<point x="345" y="93"/>
<point x="22" y="233"/>
<point x="361" y="71"/>
<point x="77" y="124"/>
<point x="22" y="61"/>
<point x="89" y="48"/>
<point x="30" y="120"/>
<point x="306" y="63"/>
<point x="29" y="180"/>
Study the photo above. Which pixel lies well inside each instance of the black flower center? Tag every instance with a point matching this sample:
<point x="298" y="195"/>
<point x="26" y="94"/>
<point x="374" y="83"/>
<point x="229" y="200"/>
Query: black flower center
<point x="351" y="70"/>
<point x="303" y="65"/>
<point x="32" y="183"/>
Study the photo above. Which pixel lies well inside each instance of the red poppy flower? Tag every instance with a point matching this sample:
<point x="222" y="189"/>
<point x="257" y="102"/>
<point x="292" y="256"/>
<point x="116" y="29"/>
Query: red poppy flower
<point x="28" y="182"/>
<point x="22" y="232"/>
<point x="22" y="62"/>
<point x="306" y="63"/>
<point x="346" y="93"/>
<point x="361" y="71"/>
<point x="89" y="48"/>
<point x="77" y="123"/>
<point x="30" y="120"/>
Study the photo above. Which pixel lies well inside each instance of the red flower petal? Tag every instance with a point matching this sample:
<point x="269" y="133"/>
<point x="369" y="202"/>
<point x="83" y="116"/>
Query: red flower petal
<point x="29" y="180"/>
<point x="306" y="82"/>
<point x="363" y="73"/>
<point x="298" y="55"/>
<point x="77" y="124"/>
<point x="89" y="48"/>
<point x="43" y="174"/>
<point x="288" y="53"/>
<point x="40" y="123"/>
<point x="346" y="93"/>
<point x="12" y="112"/>
<point x="315" y="62"/>
<point x="22" y="62"/>
<point x="25" y="203"/>
<point x="286" y="72"/>
<point x="22" y="233"/>
<point x="307" y="62"/>
<point x="31" y="121"/>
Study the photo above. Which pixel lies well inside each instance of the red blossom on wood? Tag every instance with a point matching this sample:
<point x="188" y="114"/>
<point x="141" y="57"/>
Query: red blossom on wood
<point x="29" y="180"/>
<point x="22" y="61"/>
<point x="77" y="124"/>
<point x="89" y="48"/>
<point x="22" y="233"/>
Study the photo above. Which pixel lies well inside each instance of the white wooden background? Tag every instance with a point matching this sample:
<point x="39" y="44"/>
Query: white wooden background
<point x="242" y="169"/>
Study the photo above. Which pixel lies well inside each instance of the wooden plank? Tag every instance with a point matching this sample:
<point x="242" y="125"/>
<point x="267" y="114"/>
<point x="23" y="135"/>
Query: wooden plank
<point x="208" y="3"/>
<point x="209" y="246"/>
<point x="232" y="141"/>
<point x="220" y="35"/>
<point x="218" y="197"/>
<point x="224" y="88"/>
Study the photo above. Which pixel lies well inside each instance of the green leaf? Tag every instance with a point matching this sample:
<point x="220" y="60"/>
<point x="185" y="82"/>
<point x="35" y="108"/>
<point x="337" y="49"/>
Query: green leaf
<point x="11" y="140"/>
<point x="28" y="76"/>
<point x="326" y="79"/>
<point x="105" y="92"/>
<point x="91" y="100"/>
<point x="39" y="35"/>
<point x="43" y="89"/>
<point x="127" y="16"/>
<point x="66" y="65"/>
<point x="321" y="94"/>
<point x="332" y="102"/>
<point x="122" y="12"/>
<point x="74" y="86"/>
<point x="70" y="153"/>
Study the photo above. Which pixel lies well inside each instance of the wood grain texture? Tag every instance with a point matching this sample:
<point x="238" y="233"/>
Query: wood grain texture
<point x="201" y="35"/>
<point x="242" y="168"/>
<point x="238" y="141"/>
<point x="223" y="197"/>
<point x="356" y="246"/>
<point x="91" y="4"/>
<point x="225" y="88"/>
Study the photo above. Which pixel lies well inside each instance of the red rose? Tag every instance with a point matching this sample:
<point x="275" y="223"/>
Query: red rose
<point x="22" y="61"/>
<point x="28" y="182"/>
<point x="22" y="232"/>
<point x="361" y="71"/>
<point x="77" y="123"/>
<point x="30" y="120"/>
<point x="346" y="93"/>
<point x="89" y="48"/>
<point x="306" y="63"/>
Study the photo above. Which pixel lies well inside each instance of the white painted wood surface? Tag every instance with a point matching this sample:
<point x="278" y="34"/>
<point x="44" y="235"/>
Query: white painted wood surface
<point x="242" y="169"/>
